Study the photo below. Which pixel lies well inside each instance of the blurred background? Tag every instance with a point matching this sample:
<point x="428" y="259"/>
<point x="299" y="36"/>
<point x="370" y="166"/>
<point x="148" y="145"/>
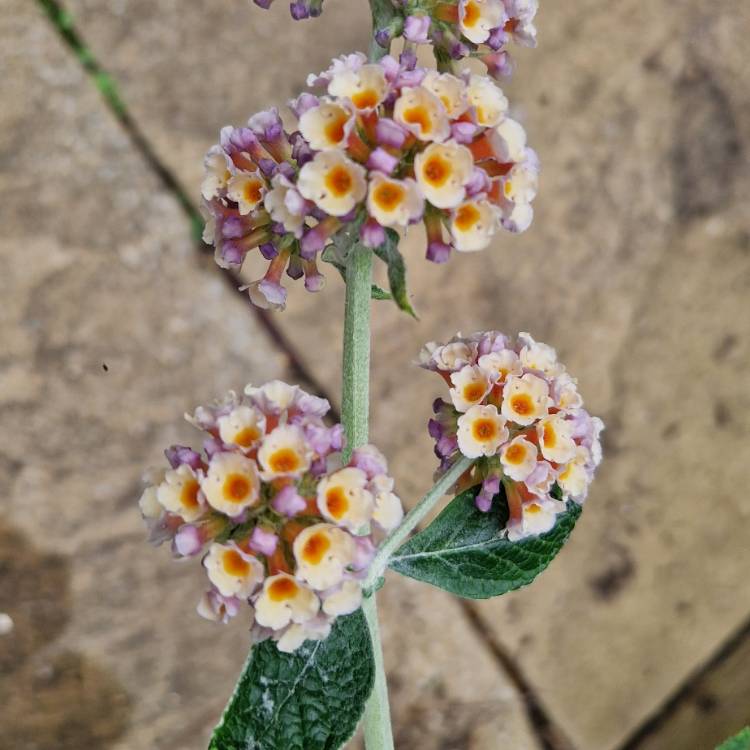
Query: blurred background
<point x="115" y="321"/>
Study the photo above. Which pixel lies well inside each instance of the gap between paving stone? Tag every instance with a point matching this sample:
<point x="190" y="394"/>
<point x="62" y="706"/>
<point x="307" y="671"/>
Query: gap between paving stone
<point x="548" y="733"/>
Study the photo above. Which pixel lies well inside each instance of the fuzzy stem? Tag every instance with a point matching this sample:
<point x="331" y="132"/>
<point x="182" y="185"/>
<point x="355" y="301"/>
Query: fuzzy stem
<point x="394" y="540"/>
<point x="355" y="413"/>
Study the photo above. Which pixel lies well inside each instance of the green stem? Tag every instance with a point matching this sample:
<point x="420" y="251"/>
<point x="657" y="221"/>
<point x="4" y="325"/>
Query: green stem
<point x="394" y="540"/>
<point x="354" y="414"/>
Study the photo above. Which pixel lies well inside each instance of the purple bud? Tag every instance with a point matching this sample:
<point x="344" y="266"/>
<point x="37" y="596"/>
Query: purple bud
<point x="268" y="250"/>
<point x="389" y="133"/>
<point x="416" y="28"/>
<point x="446" y="446"/>
<point x="301" y="151"/>
<point x="458" y="50"/>
<point x="318" y="467"/>
<point x="438" y="252"/>
<point x="411" y="77"/>
<point x="233" y="227"/>
<point x="479" y="182"/>
<point x="311" y="243"/>
<point x="303" y="103"/>
<point x="372" y="234"/>
<point x="299" y="10"/>
<point x="187" y="541"/>
<point x="383" y="38"/>
<point x="268" y="167"/>
<point x="369" y="459"/>
<point x="230" y="254"/>
<point x="435" y="429"/>
<point x="390" y="66"/>
<point x="180" y="454"/>
<point x="278" y="228"/>
<point x="263" y="541"/>
<point x="499" y="64"/>
<point x="463" y="131"/>
<point x="288" y="501"/>
<point x="381" y="161"/>
<point x="364" y="552"/>
<point x="212" y="446"/>
<point x="408" y="59"/>
<point x="286" y="169"/>
<point x="490" y="488"/>
<point x="497" y="38"/>
<point x="265" y="4"/>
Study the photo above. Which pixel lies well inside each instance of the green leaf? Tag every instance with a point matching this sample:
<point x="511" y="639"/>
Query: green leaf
<point x="740" y="741"/>
<point x="462" y="550"/>
<point x="389" y="253"/>
<point x="378" y="293"/>
<point x="309" y="700"/>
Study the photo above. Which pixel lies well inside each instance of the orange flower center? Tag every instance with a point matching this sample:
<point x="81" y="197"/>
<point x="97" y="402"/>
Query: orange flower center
<point x="334" y="130"/>
<point x="515" y="454"/>
<point x="365" y="99"/>
<point x="315" y="548"/>
<point x="189" y="495"/>
<point x="234" y="564"/>
<point x="253" y="191"/>
<point x="236" y="488"/>
<point x="522" y="404"/>
<point x="474" y="392"/>
<point x="419" y="116"/>
<point x="247" y="436"/>
<point x="339" y="181"/>
<point x="466" y="217"/>
<point x="284" y="461"/>
<point x="436" y="171"/>
<point x="472" y="14"/>
<point x="388" y="195"/>
<point x="533" y="509"/>
<point x="337" y="502"/>
<point x="484" y="430"/>
<point x="549" y="436"/>
<point x="282" y="589"/>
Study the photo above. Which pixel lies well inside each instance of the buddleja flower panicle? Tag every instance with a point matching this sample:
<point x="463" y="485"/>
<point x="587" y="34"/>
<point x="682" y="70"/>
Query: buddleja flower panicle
<point x="282" y="526"/>
<point x="383" y="145"/>
<point x="514" y="408"/>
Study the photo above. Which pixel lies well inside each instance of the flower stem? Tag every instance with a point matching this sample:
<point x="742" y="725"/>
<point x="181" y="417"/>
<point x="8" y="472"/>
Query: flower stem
<point x="394" y="540"/>
<point x="355" y="413"/>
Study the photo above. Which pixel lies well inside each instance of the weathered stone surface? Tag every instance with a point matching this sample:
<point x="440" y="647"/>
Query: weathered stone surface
<point x="636" y="269"/>
<point x="106" y="651"/>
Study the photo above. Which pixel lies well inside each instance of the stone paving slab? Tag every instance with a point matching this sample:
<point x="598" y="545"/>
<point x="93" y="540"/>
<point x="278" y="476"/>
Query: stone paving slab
<point x="112" y="327"/>
<point x="640" y="127"/>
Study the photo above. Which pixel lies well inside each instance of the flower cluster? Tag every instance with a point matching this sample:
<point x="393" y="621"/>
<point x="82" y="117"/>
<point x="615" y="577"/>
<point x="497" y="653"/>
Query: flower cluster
<point x="385" y="145"/>
<point x="515" y="409"/>
<point x="476" y="28"/>
<point x="281" y="524"/>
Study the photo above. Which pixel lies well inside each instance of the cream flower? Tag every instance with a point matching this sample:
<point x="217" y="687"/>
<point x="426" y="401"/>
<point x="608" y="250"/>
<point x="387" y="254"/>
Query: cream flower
<point x="232" y="483"/>
<point x="326" y="126"/>
<point x="476" y="18"/>
<point x="442" y="171"/>
<point x="246" y="190"/>
<point x="218" y="172"/>
<point x="149" y="504"/>
<point x="394" y="202"/>
<point x="322" y="553"/>
<point x="508" y="141"/>
<point x="343" y="498"/>
<point x="470" y="386"/>
<point x="233" y="572"/>
<point x="489" y="102"/>
<point x="365" y="87"/>
<point x="499" y="365"/>
<point x="518" y="458"/>
<point x="243" y="426"/>
<point x="449" y="89"/>
<point x="422" y="113"/>
<point x="537" y="356"/>
<point x="274" y="397"/>
<point x="555" y="438"/>
<point x="473" y="224"/>
<point x="179" y="493"/>
<point x="518" y="217"/>
<point x="574" y="478"/>
<point x="481" y="431"/>
<point x="448" y="357"/>
<point x="538" y="517"/>
<point x="343" y="601"/>
<point x="520" y="184"/>
<point x="284" y="600"/>
<point x="317" y="629"/>
<point x="389" y="511"/>
<point x="565" y="392"/>
<point x="525" y="399"/>
<point x="281" y="209"/>
<point x="285" y="452"/>
<point x="333" y="182"/>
